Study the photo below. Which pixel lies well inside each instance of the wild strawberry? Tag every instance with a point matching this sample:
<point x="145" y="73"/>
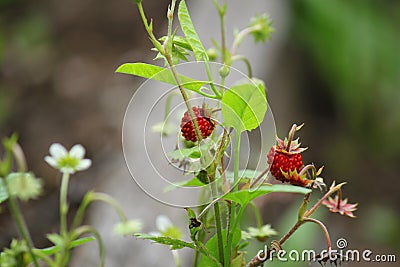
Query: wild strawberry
<point x="295" y="178"/>
<point x="204" y="121"/>
<point x="285" y="158"/>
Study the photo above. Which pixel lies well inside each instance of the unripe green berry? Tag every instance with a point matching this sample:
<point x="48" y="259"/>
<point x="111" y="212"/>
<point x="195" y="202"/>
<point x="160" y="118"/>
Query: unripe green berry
<point x="224" y="71"/>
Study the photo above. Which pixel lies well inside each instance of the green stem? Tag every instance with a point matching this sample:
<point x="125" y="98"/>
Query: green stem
<point x="246" y="61"/>
<point x="176" y="257"/>
<point x="257" y="214"/>
<point x="223" y="38"/>
<point x="185" y="97"/>
<point x="196" y="258"/>
<point x="234" y="225"/>
<point x="210" y="78"/>
<point x="233" y="216"/>
<point x="91" y="197"/>
<point x="218" y="223"/>
<point x="19" y="220"/>
<point x="149" y="30"/>
<point x="168" y="57"/>
<point x="45" y="258"/>
<point x="87" y="229"/>
<point x="205" y="252"/>
<point x="240" y="36"/>
<point x="63" y="258"/>
<point x="63" y="203"/>
<point x="170" y="16"/>
<point x="236" y="161"/>
<point x="222" y="12"/>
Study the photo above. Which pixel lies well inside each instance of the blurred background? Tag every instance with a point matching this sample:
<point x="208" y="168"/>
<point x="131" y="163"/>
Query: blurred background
<point x="334" y="65"/>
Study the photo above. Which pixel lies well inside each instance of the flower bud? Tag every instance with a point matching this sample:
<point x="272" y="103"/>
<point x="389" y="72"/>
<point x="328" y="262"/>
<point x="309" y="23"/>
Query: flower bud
<point x="212" y="54"/>
<point x="224" y="71"/>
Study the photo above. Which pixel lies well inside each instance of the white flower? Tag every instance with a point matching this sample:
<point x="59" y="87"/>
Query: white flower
<point x="166" y="228"/>
<point x="261" y="234"/>
<point x="128" y="227"/>
<point x="68" y="161"/>
<point x="163" y="223"/>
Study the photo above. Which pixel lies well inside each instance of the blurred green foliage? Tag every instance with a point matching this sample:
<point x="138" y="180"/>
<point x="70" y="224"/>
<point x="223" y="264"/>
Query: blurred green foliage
<point x="25" y="36"/>
<point x="354" y="45"/>
<point x="381" y="225"/>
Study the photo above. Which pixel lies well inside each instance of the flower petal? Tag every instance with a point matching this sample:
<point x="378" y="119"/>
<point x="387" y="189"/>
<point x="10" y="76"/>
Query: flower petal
<point x="163" y="223"/>
<point x="57" y="151"/>
<point x="83" y="164"/>
<point x="51" y="161"/>
<point x="77" y="151"/>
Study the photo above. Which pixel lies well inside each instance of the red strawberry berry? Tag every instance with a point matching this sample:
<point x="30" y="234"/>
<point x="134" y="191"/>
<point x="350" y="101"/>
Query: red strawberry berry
<point x="285" y="157"/>
<point x="285" y="162"/>
<point x="204" y="122"/>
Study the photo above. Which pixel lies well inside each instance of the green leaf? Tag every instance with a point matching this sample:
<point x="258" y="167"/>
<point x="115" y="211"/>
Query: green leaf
<point x="194" y="152"/>
<point x="54" y="249"/>
<point x="179" y="41"/>
<point x="56" y="239"/>
<point x="161" y="74"/>
<point x="190" y="33"/>
<point x="243" y="174"/>
<point x="194" y="182"/>
<point x="212" y="247"/>
<point x="180" y="154"/>
<point x="174" y="243"/>
<point x="244" y="107"/>
<point x="3" y="191"/>
<point x="238" y="261"/>
<point x="243" y="197"/>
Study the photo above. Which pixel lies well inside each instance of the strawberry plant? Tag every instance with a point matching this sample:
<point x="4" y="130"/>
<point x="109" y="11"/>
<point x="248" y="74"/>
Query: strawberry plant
<point x="229" y="110"/>
<point x="218" y="107"/>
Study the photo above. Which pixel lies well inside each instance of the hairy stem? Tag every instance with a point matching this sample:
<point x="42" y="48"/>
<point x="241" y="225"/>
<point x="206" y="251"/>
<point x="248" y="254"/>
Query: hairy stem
<point x="149" y="30"/>
<point x="218" y="223"/>
<point x="324" y="230"/>
<point x="327" y="194"/>
<point x="233" y="218"/>
<point x="21" y="224"/>
<point x="290" y="232"/>
<point x="234" y="225"/>
<point x="185" y="97"/>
